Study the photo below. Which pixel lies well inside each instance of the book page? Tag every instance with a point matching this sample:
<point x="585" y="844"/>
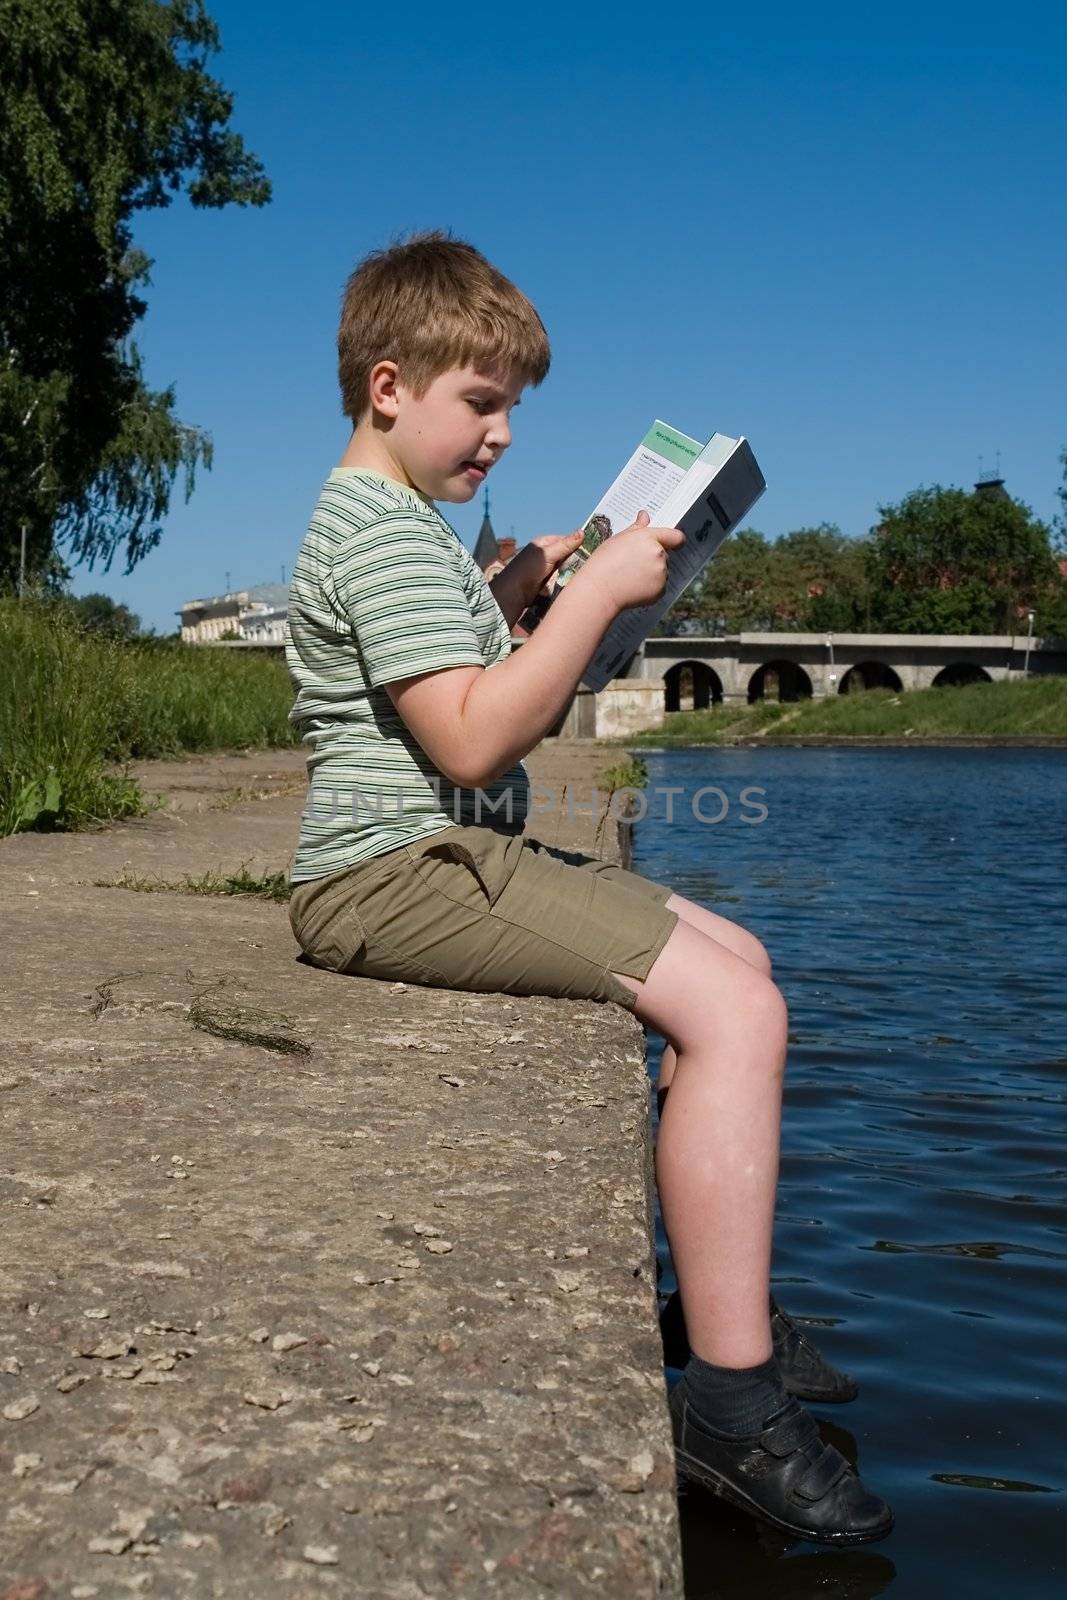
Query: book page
<point x="653" y="472"/>
<point x="657" y="466"/>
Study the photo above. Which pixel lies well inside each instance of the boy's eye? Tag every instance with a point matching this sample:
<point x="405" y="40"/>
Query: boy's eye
<point x="485" y="408"/>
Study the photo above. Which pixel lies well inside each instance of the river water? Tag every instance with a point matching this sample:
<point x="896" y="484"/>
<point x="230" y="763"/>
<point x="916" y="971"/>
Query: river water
<point x="914" y="904"/>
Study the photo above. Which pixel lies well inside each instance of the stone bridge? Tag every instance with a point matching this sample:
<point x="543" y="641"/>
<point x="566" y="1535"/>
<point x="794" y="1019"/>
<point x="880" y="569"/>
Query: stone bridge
<point x="696" y="671"/>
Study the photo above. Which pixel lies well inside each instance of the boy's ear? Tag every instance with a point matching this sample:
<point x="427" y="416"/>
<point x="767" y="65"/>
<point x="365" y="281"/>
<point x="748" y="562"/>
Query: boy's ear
<point x="383" y="389"/>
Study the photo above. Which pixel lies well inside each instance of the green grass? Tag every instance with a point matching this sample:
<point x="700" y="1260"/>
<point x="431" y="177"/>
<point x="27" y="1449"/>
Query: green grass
<point x="185" y="698"/>
<point x="268" y="886"/>
<point x="74" y="706"/>
<point x="59" y="693"/>
<point x="629" y="774"/>
<point x="1033" y="708"/>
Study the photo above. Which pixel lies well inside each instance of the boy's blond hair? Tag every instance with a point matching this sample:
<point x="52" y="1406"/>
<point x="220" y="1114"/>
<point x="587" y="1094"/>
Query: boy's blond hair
<point x="432" y="303"/>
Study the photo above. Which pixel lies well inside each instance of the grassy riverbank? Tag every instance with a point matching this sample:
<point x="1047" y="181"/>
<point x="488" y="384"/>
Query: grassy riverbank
<point x="1036" y="708"/>
<point x="73" y="705"/>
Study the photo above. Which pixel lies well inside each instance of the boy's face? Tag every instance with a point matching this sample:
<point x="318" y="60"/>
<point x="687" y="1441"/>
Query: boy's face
<point x="449" y="438"/>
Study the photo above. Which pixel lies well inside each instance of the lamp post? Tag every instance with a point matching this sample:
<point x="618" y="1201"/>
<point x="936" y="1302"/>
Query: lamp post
<point x="1029" y="642"/>
<point x="43" y="488"/>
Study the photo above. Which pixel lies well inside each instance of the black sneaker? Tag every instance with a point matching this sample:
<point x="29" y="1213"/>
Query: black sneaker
<point x="784" y="1475"/>
<point x="803" y="1371"/>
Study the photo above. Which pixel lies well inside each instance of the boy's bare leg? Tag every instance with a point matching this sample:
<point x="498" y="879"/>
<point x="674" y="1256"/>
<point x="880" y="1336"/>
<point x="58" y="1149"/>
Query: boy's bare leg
<point x="736" y="1430"/>
<point x="735" y="938"/>
<point x="804" y="1369"/>
<point x="717" y="1151"/>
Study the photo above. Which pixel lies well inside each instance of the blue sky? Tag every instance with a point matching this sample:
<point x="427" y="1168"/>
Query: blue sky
<point x="841" y="235"/>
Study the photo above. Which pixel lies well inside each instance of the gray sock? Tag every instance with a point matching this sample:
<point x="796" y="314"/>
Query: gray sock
<point x="734" y="1400"/>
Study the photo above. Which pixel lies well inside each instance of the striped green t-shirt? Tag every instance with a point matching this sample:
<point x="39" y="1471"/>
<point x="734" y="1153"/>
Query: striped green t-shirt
<point x="383" y="589"/>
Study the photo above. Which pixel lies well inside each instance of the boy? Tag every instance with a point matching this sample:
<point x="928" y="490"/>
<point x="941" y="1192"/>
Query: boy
<point x="412" y="863"/>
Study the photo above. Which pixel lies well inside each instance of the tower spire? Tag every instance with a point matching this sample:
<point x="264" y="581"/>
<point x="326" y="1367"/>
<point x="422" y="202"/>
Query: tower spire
<point x="485" y="547"/>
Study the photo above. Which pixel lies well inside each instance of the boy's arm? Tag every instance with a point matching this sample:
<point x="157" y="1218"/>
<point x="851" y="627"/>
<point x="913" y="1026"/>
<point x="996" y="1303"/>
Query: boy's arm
<point x="474" y="722"/>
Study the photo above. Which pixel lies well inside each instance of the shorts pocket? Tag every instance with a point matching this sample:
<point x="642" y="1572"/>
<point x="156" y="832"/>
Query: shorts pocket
<point x="490" y="859"/>
<point x="326" y="925"/>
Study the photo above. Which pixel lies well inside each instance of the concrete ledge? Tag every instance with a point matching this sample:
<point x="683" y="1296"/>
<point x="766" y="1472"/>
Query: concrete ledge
<point x="379" y="1288"/>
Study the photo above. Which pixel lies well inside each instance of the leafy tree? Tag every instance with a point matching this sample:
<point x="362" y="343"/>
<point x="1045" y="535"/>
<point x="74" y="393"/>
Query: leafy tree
<point x="1060" y="524"/>
<point x="98" y="613"/>
<point x="805" y="581"/>
<point x="822" y="574"/>
<point x="942" y="561"/>
<point x="106" y="109"/>
<point x="1051" y="621"/>
<point x="949" y="561"/>
<point x="736" y="587"/>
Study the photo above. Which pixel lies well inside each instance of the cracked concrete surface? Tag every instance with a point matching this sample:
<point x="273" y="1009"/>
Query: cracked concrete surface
<point x="371" y="1317"/>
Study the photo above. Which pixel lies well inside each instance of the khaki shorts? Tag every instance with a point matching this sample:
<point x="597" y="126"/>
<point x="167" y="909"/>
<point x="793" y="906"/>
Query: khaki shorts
<point x="478" y="908"/>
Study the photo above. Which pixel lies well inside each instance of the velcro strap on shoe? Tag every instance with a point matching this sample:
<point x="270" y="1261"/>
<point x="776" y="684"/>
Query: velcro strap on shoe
<point x="795" y="1429"/>
<point x="821" y="1476"/>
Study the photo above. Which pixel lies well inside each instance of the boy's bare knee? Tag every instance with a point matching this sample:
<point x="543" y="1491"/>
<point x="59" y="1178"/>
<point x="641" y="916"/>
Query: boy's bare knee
<point x="757" y="956"/>
<point x="697" y="991"/>
<point x="759" y="1012"/>
<point x="772" y="1010"/>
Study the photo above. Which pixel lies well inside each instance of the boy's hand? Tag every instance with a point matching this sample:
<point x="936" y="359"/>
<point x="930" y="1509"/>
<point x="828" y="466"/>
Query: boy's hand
<point x="631" y="566"/>
<point x="542" y="558"/>
<point x="532" y="572"/>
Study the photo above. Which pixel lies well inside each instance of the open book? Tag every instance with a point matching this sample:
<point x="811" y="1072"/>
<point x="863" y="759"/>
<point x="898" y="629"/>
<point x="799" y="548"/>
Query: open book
<point x="704" y="490"/>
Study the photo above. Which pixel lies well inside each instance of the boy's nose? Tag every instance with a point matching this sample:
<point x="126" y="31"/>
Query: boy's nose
<point x="499" y="434"/>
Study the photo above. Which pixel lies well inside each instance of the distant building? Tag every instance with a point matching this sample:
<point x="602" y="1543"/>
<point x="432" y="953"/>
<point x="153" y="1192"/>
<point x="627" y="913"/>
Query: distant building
<point x="991" y="486"/>
<point x="485" y="547"/>
<point x="491" y="553"/>
<point x="257" y="615"/>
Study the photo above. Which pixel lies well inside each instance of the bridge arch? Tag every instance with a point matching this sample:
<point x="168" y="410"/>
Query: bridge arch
<point x="691" y="686"/>
<point x="869" y="675"/>
<point x="958" y="673"/>
<point x="779" y="680"/>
